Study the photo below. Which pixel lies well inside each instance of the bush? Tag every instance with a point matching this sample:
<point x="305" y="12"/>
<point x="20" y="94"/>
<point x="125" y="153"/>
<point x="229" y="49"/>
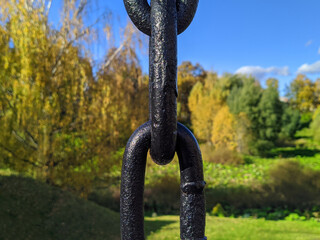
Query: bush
<point x="207" y="150"/>
<point x="294" y="185"/>
<point x="109" y="198"/>
<point x="295" y="217"/>
<point x="315" y="125"/>
<point x="163" y="195"/>
<point x="218" y="211"/>
<point x="290" y="188"/>
<point x="305" y="120"/>
<point x="261" y="147"/>
<point x="226" y="156"/>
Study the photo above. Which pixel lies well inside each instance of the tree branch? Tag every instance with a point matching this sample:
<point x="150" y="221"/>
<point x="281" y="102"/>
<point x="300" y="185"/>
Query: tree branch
<point x="17" y="157"/>
<point x="115" y="54"/>
<point x="23" y="141"/>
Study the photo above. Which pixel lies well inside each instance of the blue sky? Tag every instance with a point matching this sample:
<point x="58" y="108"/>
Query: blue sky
<point x="266" y="38"/>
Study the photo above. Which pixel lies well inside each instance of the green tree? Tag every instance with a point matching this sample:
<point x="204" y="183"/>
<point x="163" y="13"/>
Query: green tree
<point x="315" y="125"/>
<point x="226" y="83"/>
<point x="245" y="100"/>
<point x="270" y="112"/>
<point x="258" y="119"/>
<point x="290" y="121"/>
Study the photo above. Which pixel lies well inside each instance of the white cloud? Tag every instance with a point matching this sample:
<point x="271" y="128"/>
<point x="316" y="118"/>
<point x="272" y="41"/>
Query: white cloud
<point x="309" y="43"/>
<point x="260" y="72"/>
<point x="310" y="68"/>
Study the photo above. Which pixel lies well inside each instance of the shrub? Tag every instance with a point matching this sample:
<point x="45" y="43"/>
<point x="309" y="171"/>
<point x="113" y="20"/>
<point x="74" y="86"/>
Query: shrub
<point x="294" y="185"/>
<point x="163" y="195"/>
<point x="218" y="211"/>
<point x="305" y="120"/>
<point x="290" y="187"/>
<point x="226" y="156"/>
<point x="314" y="126"/>
<point x="295" y="217"/>
<point x="261" y="147"/>
<point x="109" y="198"/>
<point x="207" y="150"/>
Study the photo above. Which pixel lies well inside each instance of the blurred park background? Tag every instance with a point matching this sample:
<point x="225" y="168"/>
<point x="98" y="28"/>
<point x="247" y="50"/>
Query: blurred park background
<point x="74" y="87"/>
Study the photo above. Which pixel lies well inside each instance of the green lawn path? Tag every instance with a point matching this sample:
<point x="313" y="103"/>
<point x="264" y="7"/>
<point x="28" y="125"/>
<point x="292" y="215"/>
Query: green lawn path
<point x="240" y="229"/>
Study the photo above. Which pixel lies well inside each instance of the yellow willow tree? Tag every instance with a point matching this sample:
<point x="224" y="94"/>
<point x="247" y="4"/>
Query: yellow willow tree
<point x="44" y="77"/>
<point x="118" y="100"/>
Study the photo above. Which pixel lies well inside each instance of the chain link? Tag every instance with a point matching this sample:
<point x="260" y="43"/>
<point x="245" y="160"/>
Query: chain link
<point x="139" y="13"/>
<point x="163" y="135"/>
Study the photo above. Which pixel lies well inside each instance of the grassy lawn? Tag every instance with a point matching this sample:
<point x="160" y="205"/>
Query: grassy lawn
<point x="233" y="229"/>
<point x="31" y="210"/>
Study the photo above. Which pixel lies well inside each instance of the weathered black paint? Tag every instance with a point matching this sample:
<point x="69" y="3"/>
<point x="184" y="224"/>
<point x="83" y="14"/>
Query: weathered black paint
<point x="192" y="209"/>
<point x="163" y="80"/>
<point x="139" y="13"/>
<point x="132" y="183"/>
<point x="163" y="21"/>
<point x="192" y="202"/>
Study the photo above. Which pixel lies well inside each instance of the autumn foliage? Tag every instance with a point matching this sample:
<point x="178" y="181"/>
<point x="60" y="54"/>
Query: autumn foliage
<point x="65" y="119"/>
<point x="60" y="121"/>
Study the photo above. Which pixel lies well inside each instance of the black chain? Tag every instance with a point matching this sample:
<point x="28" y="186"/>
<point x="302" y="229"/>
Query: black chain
<point x="163" y="21"/>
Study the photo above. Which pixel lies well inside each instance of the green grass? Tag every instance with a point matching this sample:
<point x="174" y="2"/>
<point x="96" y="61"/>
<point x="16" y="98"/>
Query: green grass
<point x="31" y="210"/>
<point x="255" y="171"/>
<point x="240" y="229"/>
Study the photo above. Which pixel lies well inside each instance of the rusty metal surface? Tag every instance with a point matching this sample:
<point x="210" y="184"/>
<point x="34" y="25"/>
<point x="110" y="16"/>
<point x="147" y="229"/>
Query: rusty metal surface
<point x="163" y="21"/>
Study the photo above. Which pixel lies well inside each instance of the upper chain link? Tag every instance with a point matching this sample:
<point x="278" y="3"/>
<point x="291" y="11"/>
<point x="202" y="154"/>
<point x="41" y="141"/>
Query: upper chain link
<point x="162" y="21"/>
<point x="139" y="13"/>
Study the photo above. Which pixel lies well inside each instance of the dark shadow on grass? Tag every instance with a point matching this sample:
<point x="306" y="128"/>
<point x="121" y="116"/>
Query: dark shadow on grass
<point x="293" y="152"/>
<point x="153" y="226"/>
<point x="30" y="209"/>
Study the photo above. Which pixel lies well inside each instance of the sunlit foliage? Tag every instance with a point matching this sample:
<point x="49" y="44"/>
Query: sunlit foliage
<point x="60" y="121"/>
